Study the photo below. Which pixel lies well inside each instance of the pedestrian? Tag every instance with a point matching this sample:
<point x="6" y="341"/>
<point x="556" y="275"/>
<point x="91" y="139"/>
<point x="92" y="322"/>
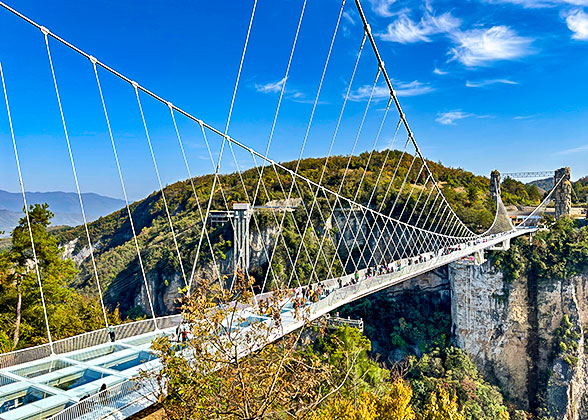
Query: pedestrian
<point x="111" y="334"/>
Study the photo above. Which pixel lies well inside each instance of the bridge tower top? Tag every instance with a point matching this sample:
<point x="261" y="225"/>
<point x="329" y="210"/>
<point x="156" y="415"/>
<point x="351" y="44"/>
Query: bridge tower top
<point x="562" y="192"/>
<point x="495" y="184"/>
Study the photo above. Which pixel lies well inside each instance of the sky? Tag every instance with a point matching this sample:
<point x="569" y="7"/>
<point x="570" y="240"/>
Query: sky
<point x="484" y="84"/>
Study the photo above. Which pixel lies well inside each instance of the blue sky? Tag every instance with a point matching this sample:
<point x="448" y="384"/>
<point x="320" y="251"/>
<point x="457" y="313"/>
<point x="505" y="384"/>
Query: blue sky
<point x="485" y="84"/>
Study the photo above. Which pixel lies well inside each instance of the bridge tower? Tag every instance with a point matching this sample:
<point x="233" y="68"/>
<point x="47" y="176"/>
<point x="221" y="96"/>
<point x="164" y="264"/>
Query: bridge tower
<point x="241" y="214"/>
<point x="495" y="184"/>
<point x="562" y="194"/>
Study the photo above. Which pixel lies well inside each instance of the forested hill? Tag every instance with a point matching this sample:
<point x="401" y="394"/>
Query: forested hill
<point x="116" y="256"/>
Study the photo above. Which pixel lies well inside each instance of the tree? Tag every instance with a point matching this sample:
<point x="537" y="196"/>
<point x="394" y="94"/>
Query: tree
<point x="234" y="366"/>
<point x="69" y="312"/>
<point x="394" y="405"/>
<point x="347" y="351"/>
<point x="442" y="406"/>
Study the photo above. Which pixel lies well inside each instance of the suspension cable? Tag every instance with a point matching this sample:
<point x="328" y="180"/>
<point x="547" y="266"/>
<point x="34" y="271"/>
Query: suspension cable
<point x="124" y="191"/>
<point x="282" y="90"/>
<point x="171" y="110"/>
<point x="75" y="175"/>
<point x="26" y="209"/>
<point x="169" y="219"/>
<point x="310" y="121"/>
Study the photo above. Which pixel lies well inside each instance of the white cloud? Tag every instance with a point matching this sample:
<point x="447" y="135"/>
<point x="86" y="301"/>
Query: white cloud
<point x="272" y="87"/>
<point x="477" y="47"/>
<point x="450" y="117"/>
<point x="350" y="19"/>
<point x="383" y="8"/>
<point x="580" y="149"/>
<point x="577" y="22"/>
<point x="414" y="88"/>
<point x="363" y="93"/>
<point x="541" y="3"/>
<point x="483" y="83"/>
<point x="404" y="30"/>
<point x="440" y="72"/>
<point x="402" y="89"/>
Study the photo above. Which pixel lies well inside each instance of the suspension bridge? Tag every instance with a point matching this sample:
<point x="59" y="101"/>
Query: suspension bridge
<point x="368" y="236"/>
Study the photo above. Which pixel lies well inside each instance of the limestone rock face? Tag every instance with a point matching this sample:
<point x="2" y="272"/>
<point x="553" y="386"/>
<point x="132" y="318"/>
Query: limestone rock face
<point x="509" y="330"/>
<point x="490" y="322"/>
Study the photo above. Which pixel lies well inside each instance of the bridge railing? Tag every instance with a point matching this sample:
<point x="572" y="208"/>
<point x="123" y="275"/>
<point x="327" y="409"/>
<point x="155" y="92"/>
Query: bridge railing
<point x="109" y="402"/>
<point x="86" y="340"/>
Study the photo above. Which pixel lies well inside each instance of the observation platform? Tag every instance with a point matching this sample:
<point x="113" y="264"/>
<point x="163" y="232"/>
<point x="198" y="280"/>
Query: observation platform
<point x="89" y="377"/>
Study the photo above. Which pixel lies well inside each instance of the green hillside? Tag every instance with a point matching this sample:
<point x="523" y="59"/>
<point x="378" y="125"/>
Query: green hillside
<point x="116" y="256"/>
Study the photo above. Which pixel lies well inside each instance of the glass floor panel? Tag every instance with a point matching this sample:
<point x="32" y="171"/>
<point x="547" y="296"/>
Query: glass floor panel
<point x="76" y="379"/>
<point x="252" y="320"/>
<point x="142" y="340"/>
<point x="16" y="399"/>
<point x="96" y="353"/>
<point x="128" y="362"/>
<point x="41" y="368"/>
<point x="6" y="381"/>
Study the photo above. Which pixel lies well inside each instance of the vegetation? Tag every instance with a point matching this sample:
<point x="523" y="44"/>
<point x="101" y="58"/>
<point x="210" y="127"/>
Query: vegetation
<point x="580" y="191"/>
<point x="21" y="311"/>
<point x="116" y="256"/>
<point x="557" y="253"/>
<point x="305" y="375"/>
<point x="567" y="341"/>
<point x="515" y="192"/>
<point x="413" y="323"/>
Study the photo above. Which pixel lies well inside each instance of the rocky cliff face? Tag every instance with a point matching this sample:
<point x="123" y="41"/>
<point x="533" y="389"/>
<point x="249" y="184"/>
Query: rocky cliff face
<point x="164" y="284"/>
<point x="512" y="331"/>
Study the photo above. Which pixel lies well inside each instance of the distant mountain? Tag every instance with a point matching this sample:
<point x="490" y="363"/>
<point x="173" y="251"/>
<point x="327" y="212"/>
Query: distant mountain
<point x="64" y="205"/>
<point x="545" y="184"/>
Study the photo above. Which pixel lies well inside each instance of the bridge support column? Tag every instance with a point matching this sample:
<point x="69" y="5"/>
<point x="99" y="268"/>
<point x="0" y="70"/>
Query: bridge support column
<point x="241" y="213"/>
<point x="479" y="257"/>
<point x="562" y="195"/>
<point x="501" y="246"/>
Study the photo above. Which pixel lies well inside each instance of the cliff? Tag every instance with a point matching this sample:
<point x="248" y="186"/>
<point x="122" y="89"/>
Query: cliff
<point x="521" y="317"/>
<point x="525" y="334"/>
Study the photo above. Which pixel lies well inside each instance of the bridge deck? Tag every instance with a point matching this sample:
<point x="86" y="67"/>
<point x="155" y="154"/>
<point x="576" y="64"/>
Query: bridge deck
<point x="42" y="388"/>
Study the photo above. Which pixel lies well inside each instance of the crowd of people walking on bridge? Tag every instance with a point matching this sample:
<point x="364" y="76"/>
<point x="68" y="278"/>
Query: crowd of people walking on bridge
<point x="305" y="295"/>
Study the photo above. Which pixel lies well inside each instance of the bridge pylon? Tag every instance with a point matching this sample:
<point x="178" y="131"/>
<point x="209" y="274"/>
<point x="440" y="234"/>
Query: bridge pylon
<point x="562" y="194"/>
<point x="241" y="215"/>
<point x="495" y="184"/>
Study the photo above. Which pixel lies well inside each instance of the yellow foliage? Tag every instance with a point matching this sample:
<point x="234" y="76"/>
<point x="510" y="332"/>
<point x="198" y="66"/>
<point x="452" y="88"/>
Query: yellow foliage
<point x="393" y="406"/>
<point x="396" y="405"/>
<point x="442" y="406"/>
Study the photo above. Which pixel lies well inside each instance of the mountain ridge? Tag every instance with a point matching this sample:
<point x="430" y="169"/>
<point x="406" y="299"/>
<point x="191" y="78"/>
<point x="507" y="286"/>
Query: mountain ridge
<point x="65" y="206"/>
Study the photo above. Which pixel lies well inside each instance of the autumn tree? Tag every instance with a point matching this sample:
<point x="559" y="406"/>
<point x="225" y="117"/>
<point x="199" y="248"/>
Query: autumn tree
<point x="236" y="365"/>
<point x="395" y="404"/>
<point x="442" y="406"/>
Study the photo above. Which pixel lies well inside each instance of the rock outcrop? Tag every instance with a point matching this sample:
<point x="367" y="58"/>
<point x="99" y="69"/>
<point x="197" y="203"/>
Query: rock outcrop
<point x="512" y="329"/>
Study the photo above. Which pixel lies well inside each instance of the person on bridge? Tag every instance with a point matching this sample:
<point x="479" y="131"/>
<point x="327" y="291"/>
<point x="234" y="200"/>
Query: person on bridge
<point x="184" y="335"/>
<point x="111" y="334"/>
